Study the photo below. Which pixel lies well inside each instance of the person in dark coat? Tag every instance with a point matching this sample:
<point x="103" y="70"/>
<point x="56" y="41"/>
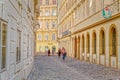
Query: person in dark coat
<point x="49" y="52"/>
<point x="59" y="52"/>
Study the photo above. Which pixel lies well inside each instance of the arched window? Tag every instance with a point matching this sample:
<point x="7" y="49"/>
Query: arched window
<point x="102" y="42"/>
<point x="88" y="43"/>
<point x="83" y="44"/>
<point x="94" y="43"/>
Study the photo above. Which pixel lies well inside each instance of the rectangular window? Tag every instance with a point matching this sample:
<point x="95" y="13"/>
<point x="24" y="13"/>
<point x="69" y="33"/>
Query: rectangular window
<point x="47" y="2"/>
<point x="54" y="2"/>
<point x="18" y="54"/>
<point x="3" y="44"/>
<point x="40" y="2"/>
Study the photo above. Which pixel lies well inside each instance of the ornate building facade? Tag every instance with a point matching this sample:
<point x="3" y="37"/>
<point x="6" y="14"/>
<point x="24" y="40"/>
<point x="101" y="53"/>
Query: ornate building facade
<point x="16" y="39"/>
<point x="90" y="30"/>
<point x="46" y="35"/>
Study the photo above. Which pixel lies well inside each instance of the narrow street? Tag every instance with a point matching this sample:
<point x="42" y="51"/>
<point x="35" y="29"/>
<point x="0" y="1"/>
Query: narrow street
<point x="54" y="68"/>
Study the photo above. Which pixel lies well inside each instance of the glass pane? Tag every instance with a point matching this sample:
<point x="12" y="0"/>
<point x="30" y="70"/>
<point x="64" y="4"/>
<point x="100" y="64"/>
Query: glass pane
<point x="3" y="57"/>
<point x="4" y="34"/>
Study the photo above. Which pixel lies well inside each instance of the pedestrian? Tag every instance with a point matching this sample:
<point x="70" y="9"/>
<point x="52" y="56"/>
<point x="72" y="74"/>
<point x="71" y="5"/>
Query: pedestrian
<point x="63" y="53"/>
<point x="49" y="52"/>
<point x="59" y="52"/>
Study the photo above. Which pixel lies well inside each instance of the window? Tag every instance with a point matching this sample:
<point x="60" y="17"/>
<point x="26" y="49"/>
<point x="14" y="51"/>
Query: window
<point x="54" y="13"/>
<point x="47" y="25"/>
<point x="54" y="2"/>
<point x="40" y="23"/>
<point x="53" y="24"/>
<point x="18" y="54"/>
<point x="53" y="36"/>
<point x="3" y="44"/>
<point x="47" y="13"/>
<point x="46" y="37"/>
<point x="40" y="2"/>
<point x="47" y="2"/>
<point x="39" y="37"/>
<point x="94" y="6"/>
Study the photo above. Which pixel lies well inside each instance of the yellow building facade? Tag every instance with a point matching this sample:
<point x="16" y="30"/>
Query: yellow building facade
<point x="90" y="29"/>
<point x="47" y="33"/>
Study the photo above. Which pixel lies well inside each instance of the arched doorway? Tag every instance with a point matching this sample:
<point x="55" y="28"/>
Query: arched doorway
<point x="102" y="47"/>
<point x="75" y="47"/>
<point x="113" y="47"/>
<point x="88" y="47"/>
<point x="78" y="47"/>
<point x="94" y="48"/>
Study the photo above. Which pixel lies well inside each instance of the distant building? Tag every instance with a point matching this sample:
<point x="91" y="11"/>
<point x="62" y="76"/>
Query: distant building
<point x="47" y="33"/>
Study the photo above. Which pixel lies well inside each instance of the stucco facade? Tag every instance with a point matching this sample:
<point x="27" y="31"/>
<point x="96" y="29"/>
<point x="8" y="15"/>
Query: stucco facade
<point x="87" y="33"/>
<point x="16" y="39"/>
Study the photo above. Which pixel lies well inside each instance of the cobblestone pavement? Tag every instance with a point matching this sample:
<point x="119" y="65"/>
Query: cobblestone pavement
<point x="54" y="68"/>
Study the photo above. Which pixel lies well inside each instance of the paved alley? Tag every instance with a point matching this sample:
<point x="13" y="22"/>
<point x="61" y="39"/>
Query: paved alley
<point x="54" y="68"/>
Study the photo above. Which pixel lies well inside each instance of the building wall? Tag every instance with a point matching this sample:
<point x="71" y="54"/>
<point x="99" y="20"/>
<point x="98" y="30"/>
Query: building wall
<point x="48" y="26"/>
<point x="83" y="19"/>
<point x="18" y="60"/>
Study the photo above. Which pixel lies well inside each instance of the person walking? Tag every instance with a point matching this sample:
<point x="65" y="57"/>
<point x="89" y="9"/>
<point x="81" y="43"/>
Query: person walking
<point x="63" y="53"/>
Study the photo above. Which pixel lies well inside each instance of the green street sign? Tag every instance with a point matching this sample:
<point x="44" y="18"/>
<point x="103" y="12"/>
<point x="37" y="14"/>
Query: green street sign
<point x="106" y="13"/>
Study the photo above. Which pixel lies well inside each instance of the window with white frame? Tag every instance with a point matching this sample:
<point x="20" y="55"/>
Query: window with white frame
<point x="18" y="54"/>
<point x="3" y="44"/>
<point x="47" y="13"/>
<point x="54" y="13"/>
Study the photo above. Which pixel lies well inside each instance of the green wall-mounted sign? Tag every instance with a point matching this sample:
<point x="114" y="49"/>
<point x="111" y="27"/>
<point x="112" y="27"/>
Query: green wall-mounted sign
<point x="106" y="13"/>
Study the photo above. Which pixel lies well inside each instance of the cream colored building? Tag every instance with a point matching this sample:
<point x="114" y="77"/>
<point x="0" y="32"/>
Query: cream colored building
<point x="46" y="35"/>
<point x="16" y="39"/>
<point x="90" y="29"/>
